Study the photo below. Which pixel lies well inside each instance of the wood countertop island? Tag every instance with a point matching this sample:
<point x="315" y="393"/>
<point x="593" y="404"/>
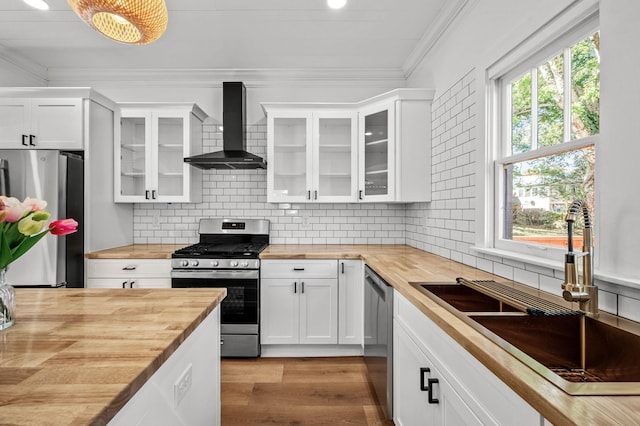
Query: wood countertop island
<point x="77" y="356"/>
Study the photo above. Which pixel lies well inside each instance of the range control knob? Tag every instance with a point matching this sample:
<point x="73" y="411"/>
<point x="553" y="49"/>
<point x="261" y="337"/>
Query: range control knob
<point x="194" y="263"/>
<point x="215" y="263"/>
<point x="234" y="263"/>
<point x="184" y="263"/>
<point x="244" y="264"/>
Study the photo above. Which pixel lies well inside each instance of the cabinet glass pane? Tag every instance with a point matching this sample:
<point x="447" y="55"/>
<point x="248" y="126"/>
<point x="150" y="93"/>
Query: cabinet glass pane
<point x="376" y="153"/>
<point x="170" y="156"/>
<point x="290" y="151"/>
<point x="335" y="156"/>
<point x="133" y="156"/>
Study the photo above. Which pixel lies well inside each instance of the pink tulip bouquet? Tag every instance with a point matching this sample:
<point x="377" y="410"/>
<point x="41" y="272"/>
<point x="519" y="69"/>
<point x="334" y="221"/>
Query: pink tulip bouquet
<point x="22" y="225"/>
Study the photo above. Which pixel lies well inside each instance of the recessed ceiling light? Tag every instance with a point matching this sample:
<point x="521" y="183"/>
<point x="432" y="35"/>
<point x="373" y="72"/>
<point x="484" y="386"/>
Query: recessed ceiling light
<point x="37" y="4"/>
<point x="336" y="4"/>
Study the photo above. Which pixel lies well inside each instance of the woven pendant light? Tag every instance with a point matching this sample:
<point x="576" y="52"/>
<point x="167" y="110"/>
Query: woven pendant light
<point x="126" y="21"/>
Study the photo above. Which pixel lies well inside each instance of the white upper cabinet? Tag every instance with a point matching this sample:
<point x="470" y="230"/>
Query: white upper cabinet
<point x="312" y="154"/>
<point x="378" y="150"/>
<point x="151" y="143"/>
<point x="41" y="123"/>
<point x="395" y="147"/>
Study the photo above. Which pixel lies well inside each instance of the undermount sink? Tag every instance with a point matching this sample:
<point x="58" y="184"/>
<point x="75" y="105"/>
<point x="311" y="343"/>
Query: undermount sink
<point x="580" y="354"/>
<point x="466" y="299"/>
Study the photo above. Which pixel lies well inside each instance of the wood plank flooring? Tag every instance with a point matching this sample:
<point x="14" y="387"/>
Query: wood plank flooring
<point x="298" y="391"/>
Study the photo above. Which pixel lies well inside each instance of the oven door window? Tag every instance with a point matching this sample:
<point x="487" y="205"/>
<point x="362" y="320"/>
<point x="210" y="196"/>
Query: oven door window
<point x="241" y="304"/>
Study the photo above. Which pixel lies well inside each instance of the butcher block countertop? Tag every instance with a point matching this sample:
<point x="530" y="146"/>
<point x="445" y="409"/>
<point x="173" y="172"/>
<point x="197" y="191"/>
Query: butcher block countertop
<point x="400" y="265"/>
<point x="76" y="356"/>
<point x="137" y="251"/>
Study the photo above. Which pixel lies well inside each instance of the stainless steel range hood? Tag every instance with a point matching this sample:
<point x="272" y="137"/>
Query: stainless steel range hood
<point x="234" y="153"/>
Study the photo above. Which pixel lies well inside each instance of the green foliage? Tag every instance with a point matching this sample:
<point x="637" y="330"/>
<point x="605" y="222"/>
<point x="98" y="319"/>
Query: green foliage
<point x="566" y="176"/>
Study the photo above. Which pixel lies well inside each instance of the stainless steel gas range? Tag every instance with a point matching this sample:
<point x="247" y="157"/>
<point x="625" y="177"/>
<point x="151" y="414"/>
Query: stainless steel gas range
<point x="227" y="256"/>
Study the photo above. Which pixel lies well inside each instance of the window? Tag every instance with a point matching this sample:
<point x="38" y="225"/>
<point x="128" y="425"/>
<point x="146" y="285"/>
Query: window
<point x="547" y="126"/>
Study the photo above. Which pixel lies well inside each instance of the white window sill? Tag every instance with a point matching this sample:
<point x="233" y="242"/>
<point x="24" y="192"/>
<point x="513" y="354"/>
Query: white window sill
<point x="558" y="266"/>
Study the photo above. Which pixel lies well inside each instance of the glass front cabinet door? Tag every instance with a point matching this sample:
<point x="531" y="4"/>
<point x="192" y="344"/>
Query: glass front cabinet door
<point x="151" y="144"/>
<point x="377" y="153"/>
<point x="312" y="156"/>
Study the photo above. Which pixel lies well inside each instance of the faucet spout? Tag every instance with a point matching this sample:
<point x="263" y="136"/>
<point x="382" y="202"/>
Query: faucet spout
<point x="585" y="293"/>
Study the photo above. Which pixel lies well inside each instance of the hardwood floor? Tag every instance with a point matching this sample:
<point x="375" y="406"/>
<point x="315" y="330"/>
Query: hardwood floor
<point x="298" y="391"/>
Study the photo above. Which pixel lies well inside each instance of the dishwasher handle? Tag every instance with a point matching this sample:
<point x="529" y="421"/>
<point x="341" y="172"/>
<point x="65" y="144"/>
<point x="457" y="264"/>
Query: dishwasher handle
<point x="377" y="283"/>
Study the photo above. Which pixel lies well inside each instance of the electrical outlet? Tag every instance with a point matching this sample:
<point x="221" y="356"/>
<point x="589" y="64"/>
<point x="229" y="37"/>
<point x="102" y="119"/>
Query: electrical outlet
<point x="304" y="215"/>
<point x="182" y="385"/>
<point x="155" y="221"/>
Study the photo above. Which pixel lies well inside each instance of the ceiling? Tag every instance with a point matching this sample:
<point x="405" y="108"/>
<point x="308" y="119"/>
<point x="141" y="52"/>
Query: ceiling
<point x="235" y="34"/>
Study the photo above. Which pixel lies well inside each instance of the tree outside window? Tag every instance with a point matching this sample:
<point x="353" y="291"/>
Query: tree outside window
<point x="549" y="159"/>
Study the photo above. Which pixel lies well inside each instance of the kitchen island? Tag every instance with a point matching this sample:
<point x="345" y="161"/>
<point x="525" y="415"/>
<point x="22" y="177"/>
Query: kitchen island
<point x="99" y="356"/>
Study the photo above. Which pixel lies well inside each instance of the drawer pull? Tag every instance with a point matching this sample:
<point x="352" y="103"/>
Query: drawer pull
<point x="129" y="268"/>
<point x="430" y="397"/>
<point x="298" y="269"/>
<point x="423" y="370"/>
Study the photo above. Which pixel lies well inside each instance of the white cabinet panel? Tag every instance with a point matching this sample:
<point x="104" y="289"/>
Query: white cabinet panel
<point x="152" y="141"/>
<point x="129" y="273"/>
<point x="318" y="311"/>
<point x="350" y="302"/>
<point x="279" y="311"/>
<point x="299" y="302"/>
<point x="299" y="268"/>
<point x="41" y="123"/>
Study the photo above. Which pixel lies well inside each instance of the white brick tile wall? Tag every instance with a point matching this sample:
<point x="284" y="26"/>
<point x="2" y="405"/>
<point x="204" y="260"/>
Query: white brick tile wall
<point x="242" y="193"/>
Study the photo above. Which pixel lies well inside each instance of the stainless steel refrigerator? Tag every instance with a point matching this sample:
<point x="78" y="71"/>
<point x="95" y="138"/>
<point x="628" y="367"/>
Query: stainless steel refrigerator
<point x="58" y="178"/>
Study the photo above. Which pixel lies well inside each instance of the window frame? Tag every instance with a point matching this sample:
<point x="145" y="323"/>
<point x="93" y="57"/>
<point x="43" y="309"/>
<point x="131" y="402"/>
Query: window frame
<point x="545" y="44"/>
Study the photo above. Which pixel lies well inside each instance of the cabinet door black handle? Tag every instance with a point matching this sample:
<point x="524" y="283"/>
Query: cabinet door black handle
<point x="24" y="140"/>
<point x="32" y="139"/>
<point x="154" y="194"/>
<point x="315" y="195"/>
<point x="423" y="370"/>
<point x="302" y="287"/>
<point x="295" y="287"/>
<point x="360" y="195"/>
<point x="308" y="195"/>
<point x="342" y="264"/>
<point x="146" y="194"/>
<point x="124" y="284"/>
<point x="430" y="397"/>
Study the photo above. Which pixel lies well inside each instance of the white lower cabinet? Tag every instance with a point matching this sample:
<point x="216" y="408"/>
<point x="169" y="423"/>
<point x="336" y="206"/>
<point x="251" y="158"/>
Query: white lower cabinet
<point x="129" y="273"/>
<point x="423" y="395"/>
<point x="437" y="382"/>
<point x="296" y="309"/>
<point x="350" y="302"/>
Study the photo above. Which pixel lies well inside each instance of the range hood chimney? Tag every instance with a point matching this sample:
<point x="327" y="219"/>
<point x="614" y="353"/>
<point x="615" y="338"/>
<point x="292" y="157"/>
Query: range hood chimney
<point x="234" y="153"/>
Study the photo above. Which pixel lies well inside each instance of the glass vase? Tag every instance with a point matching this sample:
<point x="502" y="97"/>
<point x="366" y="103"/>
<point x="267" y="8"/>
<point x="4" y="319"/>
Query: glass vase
<point x="7" y="302"/>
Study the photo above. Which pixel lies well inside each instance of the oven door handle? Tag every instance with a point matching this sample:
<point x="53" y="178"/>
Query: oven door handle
<point x="217" y="274"/>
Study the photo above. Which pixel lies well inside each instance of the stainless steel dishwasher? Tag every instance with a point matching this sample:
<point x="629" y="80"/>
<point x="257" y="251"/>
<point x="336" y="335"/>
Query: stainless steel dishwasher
<point x="378" y="338"/>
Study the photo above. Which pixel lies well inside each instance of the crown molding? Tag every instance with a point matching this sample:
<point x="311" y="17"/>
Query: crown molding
<point x="213" y="77"/>
<point x="445" y="19"/>
<point x="16" y="62"/>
